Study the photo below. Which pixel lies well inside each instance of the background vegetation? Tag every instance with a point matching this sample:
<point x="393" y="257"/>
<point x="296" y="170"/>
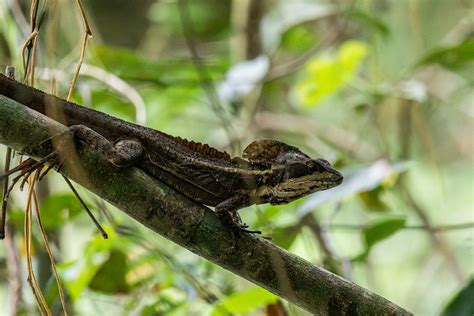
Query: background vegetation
<point x="382" y="89"/>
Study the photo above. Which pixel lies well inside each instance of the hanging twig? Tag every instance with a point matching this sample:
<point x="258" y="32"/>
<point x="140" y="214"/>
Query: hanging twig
<point x="85" y="38"/>
<point x="101" y="230"/>
<point x="3" y="216"/>
<point x="10" y="72"/>
<point x="32" y="281"/>
<point x="48" y="248"/>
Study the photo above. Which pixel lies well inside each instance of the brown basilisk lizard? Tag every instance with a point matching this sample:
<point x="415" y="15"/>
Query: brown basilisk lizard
<point x="272" y="171"/>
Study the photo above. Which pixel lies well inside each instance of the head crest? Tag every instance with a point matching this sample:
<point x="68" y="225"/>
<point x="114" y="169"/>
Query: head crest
<point x="266" y="150"/>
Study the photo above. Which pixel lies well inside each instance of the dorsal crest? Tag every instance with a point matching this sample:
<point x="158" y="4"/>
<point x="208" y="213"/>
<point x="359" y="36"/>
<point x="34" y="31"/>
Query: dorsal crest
<point x="266" y="150"/>
<point x="202" y="149"/>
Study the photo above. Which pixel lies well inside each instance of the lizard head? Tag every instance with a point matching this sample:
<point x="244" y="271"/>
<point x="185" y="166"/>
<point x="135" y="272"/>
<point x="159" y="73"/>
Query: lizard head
<point x="300" y="175"/>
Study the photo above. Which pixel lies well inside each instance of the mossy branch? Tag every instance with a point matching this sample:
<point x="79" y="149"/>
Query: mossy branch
<point x="194" y="226"/>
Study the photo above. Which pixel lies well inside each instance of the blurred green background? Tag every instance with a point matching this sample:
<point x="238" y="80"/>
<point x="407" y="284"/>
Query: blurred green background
<point x="381" y="88"/>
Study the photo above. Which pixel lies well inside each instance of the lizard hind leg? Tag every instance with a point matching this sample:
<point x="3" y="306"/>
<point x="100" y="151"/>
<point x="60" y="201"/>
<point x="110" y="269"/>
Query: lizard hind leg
<point x="128" y="152"/>
<point x="123" y="153"/>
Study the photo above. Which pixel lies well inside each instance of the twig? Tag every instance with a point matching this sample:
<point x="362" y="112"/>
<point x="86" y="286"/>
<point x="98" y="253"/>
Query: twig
<point x="86" y="35"/>
<point x="437" y="229"/>
<point x="48" y="248"/>
<point x="99" y="228"/>
<point x="408" y="120"/>
<point x="319" y="231"/>
<point x="344" y="140"/>
<point x="32" y="281"/>
<point x="437" y="240"/>
<point x="10" y="72"/>
<point x="121" y="87"/>
<point x="3" y="217"/>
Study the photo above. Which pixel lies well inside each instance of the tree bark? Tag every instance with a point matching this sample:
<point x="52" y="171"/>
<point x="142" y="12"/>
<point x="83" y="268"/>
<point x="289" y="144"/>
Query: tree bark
<point x="192" y="225"/>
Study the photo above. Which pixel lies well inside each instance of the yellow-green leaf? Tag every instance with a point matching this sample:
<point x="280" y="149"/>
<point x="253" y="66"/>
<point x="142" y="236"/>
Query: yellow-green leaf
<point x="244" y="302"/>
<point x="326" y="75"/>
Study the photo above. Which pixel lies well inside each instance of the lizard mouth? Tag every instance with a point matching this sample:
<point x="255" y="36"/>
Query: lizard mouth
<point x="292" y="190"/>
<point x="337" y="177"/>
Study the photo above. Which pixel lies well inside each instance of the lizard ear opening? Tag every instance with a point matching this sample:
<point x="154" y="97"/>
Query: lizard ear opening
<point x="266" y="150"/>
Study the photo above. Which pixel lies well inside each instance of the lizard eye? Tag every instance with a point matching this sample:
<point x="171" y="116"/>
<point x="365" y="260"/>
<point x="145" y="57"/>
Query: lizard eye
<point x="324" y="162"/>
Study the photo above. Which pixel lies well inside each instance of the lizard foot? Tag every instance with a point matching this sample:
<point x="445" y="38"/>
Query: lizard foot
<point x="227" y="211"/>
<point x="235" y="221"/>
<point x="30" y="165"/>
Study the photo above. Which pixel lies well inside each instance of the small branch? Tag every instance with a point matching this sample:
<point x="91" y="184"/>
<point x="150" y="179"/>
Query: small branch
<point x="338" y="137"/>
<point x="436" y="239"/>
<point x="438" y="229"/>
<point x="121" y="87"/>
<point x="192" y="225"/>
<point x="319" y="232"/>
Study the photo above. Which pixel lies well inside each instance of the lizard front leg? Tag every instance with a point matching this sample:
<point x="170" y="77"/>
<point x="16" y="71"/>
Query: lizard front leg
<point x="122" y="154"/>
<point x="227" y="212"/>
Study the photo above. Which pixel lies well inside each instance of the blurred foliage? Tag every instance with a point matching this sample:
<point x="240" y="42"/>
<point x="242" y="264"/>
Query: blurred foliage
<point x="382" y="89"/>
<point x="458" y="58"/>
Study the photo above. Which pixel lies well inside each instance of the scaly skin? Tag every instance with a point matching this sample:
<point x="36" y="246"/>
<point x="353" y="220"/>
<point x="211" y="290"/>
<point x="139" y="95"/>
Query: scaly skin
<point x="273" y="172"/>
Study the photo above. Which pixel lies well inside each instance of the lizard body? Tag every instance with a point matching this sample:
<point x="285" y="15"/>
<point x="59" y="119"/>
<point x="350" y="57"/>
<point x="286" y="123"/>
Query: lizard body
<point x="273" y="172"/>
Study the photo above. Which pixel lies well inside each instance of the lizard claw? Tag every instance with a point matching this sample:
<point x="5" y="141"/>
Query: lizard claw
<point x="243" y="226"/>
<point x="28" y="166"/>
<point x="245" y="230"/>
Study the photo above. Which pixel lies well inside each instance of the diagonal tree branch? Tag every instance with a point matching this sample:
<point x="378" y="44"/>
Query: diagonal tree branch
<point x="194" y="226"/>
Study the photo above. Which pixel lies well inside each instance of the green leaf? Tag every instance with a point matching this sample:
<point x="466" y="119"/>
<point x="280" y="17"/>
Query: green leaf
<point x="110" y="278"/>
<point x="244" y="302"/>
<point x="462" y="303"/>
<point x="381" y="230"/>
<point x="453" y="57"/>
<point x="378" y="231"/>
<point x="297" y="39"/>
<point x="56" y="209"/>
<point x="325" y="75"/>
